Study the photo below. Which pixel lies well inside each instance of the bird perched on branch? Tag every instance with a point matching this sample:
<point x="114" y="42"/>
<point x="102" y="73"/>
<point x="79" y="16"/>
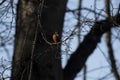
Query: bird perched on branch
<point x="56" y="38"/>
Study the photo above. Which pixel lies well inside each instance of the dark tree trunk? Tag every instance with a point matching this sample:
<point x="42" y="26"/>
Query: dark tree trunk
<point x="35" y="57"/>
<point x="42" y="62"/>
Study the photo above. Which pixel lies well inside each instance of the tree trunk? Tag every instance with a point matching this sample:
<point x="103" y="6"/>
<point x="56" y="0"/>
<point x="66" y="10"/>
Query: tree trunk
<point x="34" y="58"/>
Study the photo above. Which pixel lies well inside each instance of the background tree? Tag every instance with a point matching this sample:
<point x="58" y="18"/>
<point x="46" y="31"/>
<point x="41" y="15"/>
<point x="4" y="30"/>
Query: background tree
<point x="37" y="57"/>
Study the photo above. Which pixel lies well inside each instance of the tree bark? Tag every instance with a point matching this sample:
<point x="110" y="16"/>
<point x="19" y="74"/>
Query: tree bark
<point x="45" y="64"/>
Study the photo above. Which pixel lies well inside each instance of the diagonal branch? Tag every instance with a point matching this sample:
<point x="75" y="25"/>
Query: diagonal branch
<point x="2" y="2"/>
<point x="85" y="49"/>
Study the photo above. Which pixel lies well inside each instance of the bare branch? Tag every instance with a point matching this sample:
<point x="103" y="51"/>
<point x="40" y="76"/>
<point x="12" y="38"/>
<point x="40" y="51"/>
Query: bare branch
<point x="109" y="45"/>
<point x="87" y="9"/>
<point x="85" y="49"/>
<point x="2" y="2"/>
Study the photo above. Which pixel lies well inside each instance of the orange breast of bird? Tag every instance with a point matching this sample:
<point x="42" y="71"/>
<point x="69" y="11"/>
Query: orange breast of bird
<point x="56" y="38"/>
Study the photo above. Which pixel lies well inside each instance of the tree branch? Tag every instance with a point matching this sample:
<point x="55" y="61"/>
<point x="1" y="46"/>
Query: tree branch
<point x="85" y="49"/>
<point x="2" y="2"/>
